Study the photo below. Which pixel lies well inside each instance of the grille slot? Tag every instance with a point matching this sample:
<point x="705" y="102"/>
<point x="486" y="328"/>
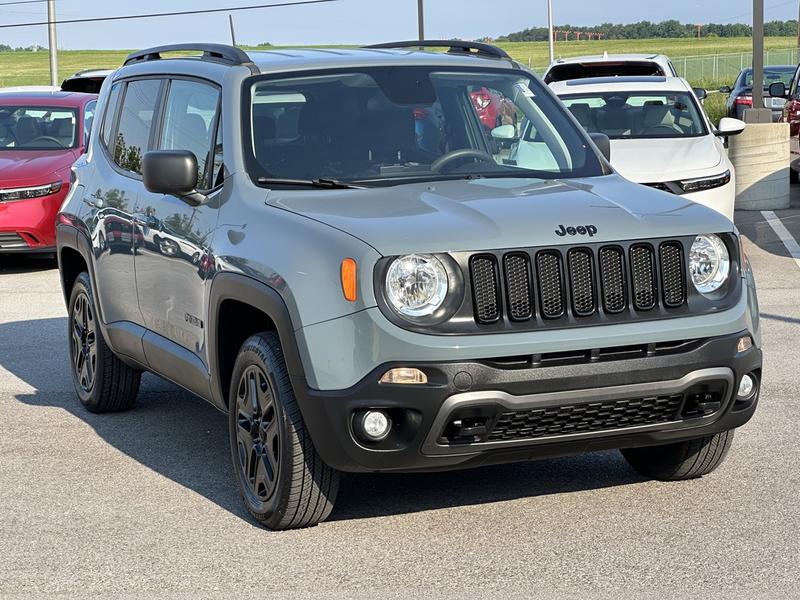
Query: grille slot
<point x="518" y="286"/>
<point x="583" y="418"/>
<point x="12" y="240"/>
<point x="485" y="288"/>
<point x="612" y="277"/>
<point x="643" y="275"/>
<point x="673" y="275"/>
<point x="551" y="284"/>
<point x="581" y="281"/>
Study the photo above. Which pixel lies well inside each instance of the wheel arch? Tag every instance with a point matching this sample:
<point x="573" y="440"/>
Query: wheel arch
<point x="239" y="307"/>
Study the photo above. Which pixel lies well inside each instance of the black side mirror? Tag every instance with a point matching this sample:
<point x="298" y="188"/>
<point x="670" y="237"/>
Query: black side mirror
<point x="701" y="93"/>
<point x="725" y="89"/>
<point x="603" y="144"/>
<point x="777" y="90"/>
<point x="172" y="172"/>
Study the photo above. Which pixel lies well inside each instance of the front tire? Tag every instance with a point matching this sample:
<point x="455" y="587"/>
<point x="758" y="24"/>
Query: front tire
<point x="684" y="460"/>
<point x="102" y="381"/>
<point x="282" y="479"/>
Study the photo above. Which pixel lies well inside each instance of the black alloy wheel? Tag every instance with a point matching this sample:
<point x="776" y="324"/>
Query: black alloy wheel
<point x="257" y="434"/>
<point x="84" y="342"/>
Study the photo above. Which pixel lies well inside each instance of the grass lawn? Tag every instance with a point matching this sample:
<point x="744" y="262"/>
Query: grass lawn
<point x="32" y="68"/>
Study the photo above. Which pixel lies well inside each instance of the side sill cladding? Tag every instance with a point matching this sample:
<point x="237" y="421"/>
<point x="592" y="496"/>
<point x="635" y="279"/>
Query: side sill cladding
<point x="244" y="289"/>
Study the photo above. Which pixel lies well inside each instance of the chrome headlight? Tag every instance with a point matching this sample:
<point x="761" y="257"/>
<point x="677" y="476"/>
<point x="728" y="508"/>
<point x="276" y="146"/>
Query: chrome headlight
<point x="28" y="193"/>
<point x="705" y="183"/>
<point x="709" y="263"/>
<point x="416" y="285"/>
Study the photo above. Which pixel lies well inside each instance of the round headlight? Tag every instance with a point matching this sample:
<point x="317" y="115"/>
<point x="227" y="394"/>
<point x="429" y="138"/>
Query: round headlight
<point x="416" y="285"/>
<point x="709" y="263"/>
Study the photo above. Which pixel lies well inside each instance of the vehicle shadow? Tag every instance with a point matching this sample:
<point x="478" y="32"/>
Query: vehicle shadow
<point x="185" y="439"/>
<point x="753" y="225"/>
<point x="12" y="264"/>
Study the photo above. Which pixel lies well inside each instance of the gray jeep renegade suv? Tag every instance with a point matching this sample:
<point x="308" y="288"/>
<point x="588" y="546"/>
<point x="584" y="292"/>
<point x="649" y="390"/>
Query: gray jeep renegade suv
<point x="343" y="252"/>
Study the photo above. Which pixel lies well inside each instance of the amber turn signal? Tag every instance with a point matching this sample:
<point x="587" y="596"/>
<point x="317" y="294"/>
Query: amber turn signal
<point x="349" y="282"/>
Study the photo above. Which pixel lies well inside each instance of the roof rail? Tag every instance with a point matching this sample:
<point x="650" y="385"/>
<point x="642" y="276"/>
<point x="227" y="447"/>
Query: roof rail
<point x="454" y="47"/>
<point x="216" y="52"/>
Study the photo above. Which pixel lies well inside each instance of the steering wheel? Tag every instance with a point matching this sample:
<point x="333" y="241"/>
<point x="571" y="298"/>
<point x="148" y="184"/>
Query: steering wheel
<point x="660" y="129"/>
<point x="439" y="164"/>
<point x="47" y="138"/>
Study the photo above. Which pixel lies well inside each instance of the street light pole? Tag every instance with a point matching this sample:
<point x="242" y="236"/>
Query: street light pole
<point x="51" y="41"/>
<point x="550" y="29"/>
<point x="421" y="19"/>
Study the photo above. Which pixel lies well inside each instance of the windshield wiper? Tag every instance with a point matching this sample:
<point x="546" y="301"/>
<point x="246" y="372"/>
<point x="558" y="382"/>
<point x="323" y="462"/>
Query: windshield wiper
<point x="320" y="182"/>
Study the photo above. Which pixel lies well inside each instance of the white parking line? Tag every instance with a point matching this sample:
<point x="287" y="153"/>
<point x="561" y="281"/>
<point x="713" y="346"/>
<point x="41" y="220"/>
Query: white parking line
<point x="780" y="230"/>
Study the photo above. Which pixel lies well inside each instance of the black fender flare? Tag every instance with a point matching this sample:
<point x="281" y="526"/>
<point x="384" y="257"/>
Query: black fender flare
<point x="259" y="295"/>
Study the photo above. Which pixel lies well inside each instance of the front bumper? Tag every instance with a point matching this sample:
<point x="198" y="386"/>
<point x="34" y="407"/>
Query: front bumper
<point x="709" y="368"/>
<point x="29" y="226"/>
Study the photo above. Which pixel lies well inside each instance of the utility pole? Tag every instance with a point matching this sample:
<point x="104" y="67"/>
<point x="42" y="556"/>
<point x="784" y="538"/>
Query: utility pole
<point x="51" y="41"/>
<point x="798" y="25"/>
<point x="550" y="29"/>
<point x="233" y="32"/>
<point x="421" y="19"/>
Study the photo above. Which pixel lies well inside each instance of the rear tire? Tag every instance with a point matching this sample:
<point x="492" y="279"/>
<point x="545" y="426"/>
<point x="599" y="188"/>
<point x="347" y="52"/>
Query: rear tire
<point x="102" y="381"/>
<point x="684" y="460"/>
<point x="282" y="479"/>
<point x="794" y="176"/>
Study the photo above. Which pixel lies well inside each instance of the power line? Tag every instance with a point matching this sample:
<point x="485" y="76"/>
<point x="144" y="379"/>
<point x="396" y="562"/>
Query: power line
<point x="747" y="14"/>
<point x="166" y="14"/>
<point x="23" y="2"/>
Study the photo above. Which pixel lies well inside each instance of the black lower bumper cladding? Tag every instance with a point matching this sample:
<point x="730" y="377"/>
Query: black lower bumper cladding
<point x="503" y="410"/>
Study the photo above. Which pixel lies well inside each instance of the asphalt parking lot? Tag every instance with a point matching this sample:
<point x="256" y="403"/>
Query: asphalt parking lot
<point x="144" y="504"/>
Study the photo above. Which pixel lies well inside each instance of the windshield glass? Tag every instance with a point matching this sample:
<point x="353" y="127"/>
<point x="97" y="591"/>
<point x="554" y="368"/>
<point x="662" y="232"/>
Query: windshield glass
<point x="771" y="76"/>
<point x="623" y="115"/>
<point x="393" y="125"/>
<point x="37" y="128"/>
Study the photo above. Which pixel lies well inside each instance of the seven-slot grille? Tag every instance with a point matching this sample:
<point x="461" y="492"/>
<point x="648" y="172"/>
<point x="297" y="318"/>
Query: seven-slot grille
<point x="581" y="281"/>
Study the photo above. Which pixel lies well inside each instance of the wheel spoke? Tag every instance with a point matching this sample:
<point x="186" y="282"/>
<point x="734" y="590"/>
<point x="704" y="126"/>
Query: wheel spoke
<point x="252" y="392"/>
<point x="90" y="369"/>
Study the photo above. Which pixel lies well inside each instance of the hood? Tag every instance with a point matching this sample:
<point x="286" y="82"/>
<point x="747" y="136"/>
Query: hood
<point x="23" y="167"/>
<point x="655" y="160"/>
<point x="501" y="213"/>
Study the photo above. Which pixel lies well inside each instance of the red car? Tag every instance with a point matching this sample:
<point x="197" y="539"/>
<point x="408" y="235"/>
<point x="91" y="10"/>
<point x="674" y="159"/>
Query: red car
<point x="493" y="108"/>
<point x="41" y="135"/>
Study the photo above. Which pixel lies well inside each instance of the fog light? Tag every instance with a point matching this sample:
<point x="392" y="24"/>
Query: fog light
<point x="373" y="425"/>
<point x="744" y="343"/>
<point x="746" y="387"/>
<point x="405" y="376"/>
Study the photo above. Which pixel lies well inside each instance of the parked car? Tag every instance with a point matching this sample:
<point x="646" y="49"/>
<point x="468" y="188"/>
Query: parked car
<point x="371" y="304"/>
<point x="791" y="110"/>
<point x="609" y="65"/>
<point x="740" y="96"/>
<point x="660" y="136"/>
<point x="493" y="109"/>
<point x="41" y="135"/>
<point x="88" y="81"/>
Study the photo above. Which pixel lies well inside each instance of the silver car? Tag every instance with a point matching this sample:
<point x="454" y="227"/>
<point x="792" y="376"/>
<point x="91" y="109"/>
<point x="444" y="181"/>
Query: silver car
<point x="375" y="284"/>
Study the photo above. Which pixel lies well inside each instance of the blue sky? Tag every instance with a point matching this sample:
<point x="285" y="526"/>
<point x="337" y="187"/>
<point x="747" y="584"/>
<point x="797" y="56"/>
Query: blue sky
<point x="352" y="21"/>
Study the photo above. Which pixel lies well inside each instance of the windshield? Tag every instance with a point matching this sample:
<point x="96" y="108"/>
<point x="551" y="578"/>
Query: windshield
<point x="623" y="115"/>
<point x="771" y="76"/>
<point x="393" y="125"/>
<point x="605" y="68"/>
<point x="37" y="128"/>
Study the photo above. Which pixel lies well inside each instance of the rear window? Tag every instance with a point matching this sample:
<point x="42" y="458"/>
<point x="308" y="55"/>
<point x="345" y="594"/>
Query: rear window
<point x="603" y="69"/>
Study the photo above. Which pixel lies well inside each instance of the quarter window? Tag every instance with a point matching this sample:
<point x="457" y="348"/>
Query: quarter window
<point x="135" y="123"/>
<point x="189" y="124"/>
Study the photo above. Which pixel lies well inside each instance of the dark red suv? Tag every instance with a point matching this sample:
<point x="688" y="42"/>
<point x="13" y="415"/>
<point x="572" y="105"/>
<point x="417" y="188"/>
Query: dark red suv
<point x="41" y="135"/>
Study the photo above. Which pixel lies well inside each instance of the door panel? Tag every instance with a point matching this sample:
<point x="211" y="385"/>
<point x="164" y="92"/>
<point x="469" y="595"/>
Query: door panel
<point x="174" y="260"/>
